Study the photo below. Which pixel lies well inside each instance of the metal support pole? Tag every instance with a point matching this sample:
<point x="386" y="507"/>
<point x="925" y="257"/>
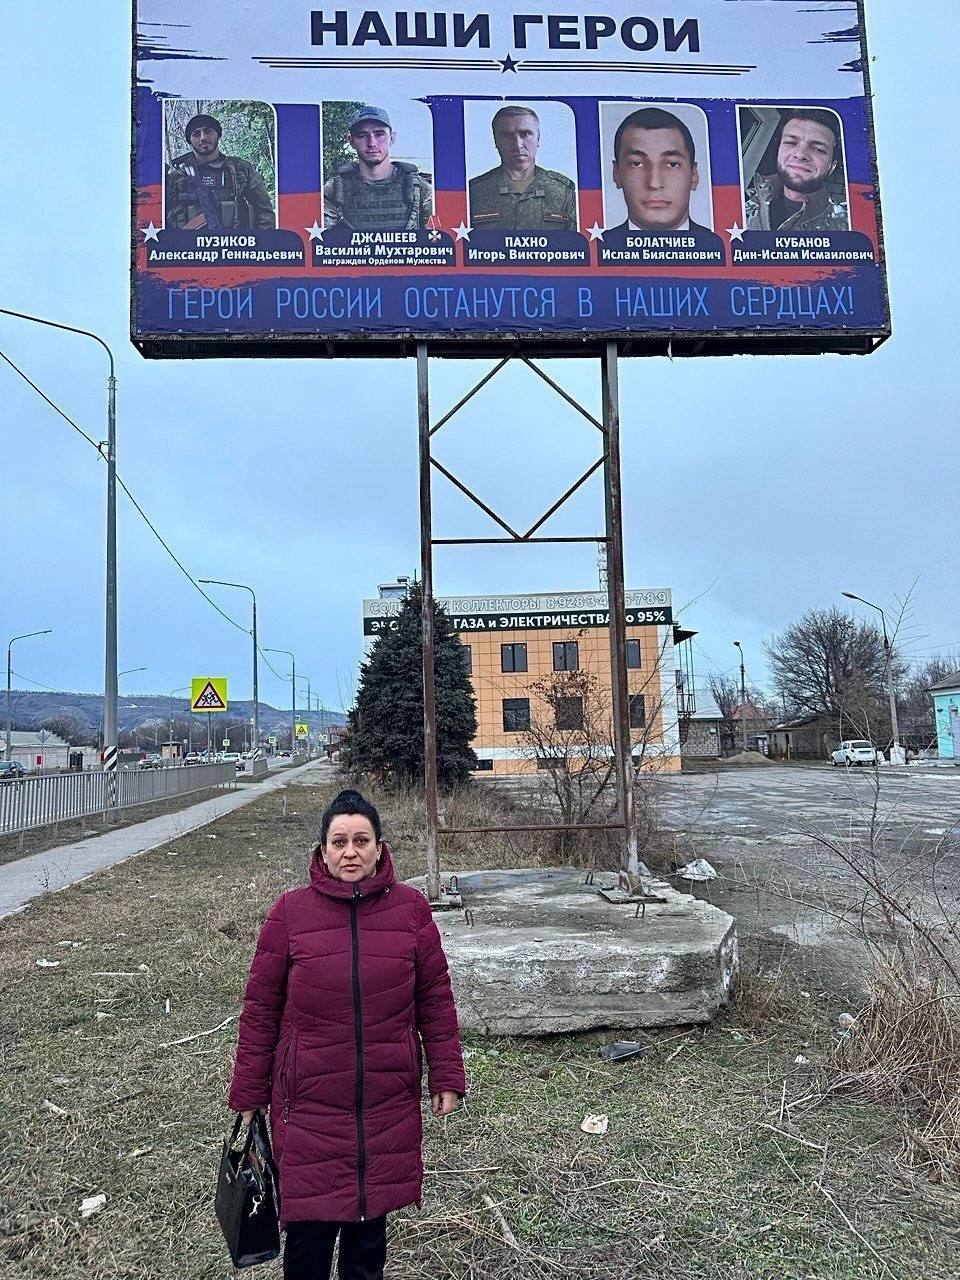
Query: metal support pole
<point x="426" y="579"/>
<point x="630" y="867"/>
<point x="110" y="647"/>
<point x="256" y="686"/>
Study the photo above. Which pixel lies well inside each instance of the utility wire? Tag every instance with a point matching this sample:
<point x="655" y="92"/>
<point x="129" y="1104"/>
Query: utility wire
<point x="54" y="407"/>
<point x="36" y="683"/>
<point x="140" y="511"/>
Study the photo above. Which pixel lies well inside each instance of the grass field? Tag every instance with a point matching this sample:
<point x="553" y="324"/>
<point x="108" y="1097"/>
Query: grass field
<point x="712" y="1165"/>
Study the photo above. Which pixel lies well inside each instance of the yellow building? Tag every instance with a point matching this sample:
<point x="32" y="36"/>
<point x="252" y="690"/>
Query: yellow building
<point x="540" y="666"/>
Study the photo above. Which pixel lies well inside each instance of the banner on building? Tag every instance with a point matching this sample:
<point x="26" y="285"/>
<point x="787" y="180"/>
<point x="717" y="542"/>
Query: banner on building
<point x="357" y="180"/>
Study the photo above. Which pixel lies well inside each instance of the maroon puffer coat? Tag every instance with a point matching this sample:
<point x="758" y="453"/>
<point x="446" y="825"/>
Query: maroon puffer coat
<point x="347" y="981"/>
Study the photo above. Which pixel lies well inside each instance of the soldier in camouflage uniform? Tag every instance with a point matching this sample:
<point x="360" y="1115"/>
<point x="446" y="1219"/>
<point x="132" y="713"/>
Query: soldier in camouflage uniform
<point x="376" y="193"/>
<point x="797" y="197"/>
<point x="518" y="195"/>
<point x="207" y="189"/>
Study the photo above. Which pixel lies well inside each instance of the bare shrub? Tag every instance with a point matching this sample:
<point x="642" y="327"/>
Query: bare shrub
<point x="904" y="1046"/>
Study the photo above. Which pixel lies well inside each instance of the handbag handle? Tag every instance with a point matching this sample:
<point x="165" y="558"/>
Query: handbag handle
<point x="258" y="1121"/>
<point x="235" y="1134"/>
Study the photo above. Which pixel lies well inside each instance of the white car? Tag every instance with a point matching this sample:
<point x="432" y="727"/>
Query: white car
<point x="857" y="751"/>
<point x="231" y="757"/>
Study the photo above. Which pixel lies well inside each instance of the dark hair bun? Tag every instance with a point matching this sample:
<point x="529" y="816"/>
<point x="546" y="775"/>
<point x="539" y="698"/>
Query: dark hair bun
<point x="350" y="802"/>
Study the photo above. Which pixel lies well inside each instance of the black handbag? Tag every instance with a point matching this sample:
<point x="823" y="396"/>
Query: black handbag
<point x="248" y="1195"/>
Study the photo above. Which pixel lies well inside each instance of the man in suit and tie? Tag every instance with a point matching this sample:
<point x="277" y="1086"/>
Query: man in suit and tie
<point x="655" y="167"/>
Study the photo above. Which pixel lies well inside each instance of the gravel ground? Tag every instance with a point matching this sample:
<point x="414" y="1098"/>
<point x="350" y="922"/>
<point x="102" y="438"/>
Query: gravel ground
<point x="764" y="830"/>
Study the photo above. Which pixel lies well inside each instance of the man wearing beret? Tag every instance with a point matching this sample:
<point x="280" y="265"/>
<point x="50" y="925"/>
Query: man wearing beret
<point x="207" y="189"/>
<point x="375" y="193"/>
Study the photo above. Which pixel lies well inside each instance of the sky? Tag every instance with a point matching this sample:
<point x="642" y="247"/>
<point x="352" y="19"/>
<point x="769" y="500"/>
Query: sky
<point x="754" y="487"/>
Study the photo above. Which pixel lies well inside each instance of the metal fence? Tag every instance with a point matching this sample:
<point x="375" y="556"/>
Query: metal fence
<point x="37" y="802"/>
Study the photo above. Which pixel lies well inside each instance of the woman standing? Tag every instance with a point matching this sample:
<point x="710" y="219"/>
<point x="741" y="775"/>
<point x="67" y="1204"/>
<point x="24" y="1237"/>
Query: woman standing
<point x="348" y="981"/>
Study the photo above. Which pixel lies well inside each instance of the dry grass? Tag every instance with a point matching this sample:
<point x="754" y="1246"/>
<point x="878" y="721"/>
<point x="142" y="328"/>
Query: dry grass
<point x="702" y="1175"/>
<point x="73" y="830"/>
<point x="904" y="1048"/>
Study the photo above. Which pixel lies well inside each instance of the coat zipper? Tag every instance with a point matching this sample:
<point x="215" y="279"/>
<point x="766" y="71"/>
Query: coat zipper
<point x="289" y="1061"/>
<point x="358" y="1037"/>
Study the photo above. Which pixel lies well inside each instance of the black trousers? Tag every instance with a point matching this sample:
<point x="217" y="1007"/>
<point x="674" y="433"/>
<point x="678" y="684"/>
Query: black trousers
<point x="308" y="1252"/>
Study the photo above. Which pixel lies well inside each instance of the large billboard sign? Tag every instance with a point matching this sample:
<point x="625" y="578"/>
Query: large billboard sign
<point x="345" y="180"/>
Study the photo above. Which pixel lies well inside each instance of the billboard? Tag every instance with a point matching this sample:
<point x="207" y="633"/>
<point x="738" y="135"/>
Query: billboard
<point x="344" y="180"/>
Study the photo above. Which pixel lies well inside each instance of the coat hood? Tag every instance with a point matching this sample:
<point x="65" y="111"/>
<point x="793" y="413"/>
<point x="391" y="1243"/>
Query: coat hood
<point x="330" y="887"/>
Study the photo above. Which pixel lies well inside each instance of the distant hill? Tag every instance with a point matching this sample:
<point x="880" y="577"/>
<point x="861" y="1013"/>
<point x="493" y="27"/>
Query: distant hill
<point x="29" y="709"/>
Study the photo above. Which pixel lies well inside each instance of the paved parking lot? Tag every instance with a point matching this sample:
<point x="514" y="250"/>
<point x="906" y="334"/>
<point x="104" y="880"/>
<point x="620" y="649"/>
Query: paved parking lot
<point x="764" y="829"/>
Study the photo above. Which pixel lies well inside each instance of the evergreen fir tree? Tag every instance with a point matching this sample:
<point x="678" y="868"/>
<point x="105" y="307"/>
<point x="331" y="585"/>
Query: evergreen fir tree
<point x="386" y="722"/>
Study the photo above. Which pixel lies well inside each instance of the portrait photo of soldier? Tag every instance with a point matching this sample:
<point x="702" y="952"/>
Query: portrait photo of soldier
<point x="794" y="177"/>
<point x="519" y="194"/>
<point x="226" y="177"/>
<point x="652" y="173"/>
<point x="372" y="191"/>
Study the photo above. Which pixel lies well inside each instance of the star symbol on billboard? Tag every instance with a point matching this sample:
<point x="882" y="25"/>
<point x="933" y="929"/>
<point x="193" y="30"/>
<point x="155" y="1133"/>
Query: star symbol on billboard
<point x="315" y="232"/>
<point x="150" y="232"/>
<point x="463" y="231"/>
<point x="595" y="232"/>
<point x="736" y="232"/>
<point x="509" y="63"/>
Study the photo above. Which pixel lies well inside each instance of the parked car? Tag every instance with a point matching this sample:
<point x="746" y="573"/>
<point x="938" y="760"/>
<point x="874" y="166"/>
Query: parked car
<point x="856" y="751"/>
<point x="11" y="770"/>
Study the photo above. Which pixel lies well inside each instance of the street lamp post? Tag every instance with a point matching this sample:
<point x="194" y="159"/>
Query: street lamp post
<point x="183" y="689"/>
<point x="888" y="676"/>
<point x="110" y="646"/>
<point x="293" y="694"/>
<point x="743" y="698"/>
<point x="319" y="723"/>
<point x="7" y="753"/>
<point x="120" y="674"/>
<point x="216" y="582"/>
<point x="306" y="680"/>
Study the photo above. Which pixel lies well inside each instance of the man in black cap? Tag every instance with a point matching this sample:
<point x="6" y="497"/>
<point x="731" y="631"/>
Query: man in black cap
<point x="375" y="193"/>
<point x="207" y="189"/>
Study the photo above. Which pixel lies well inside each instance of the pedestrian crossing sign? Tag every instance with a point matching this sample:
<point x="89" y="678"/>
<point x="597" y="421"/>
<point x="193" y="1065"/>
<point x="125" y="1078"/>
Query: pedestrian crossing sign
<point x="208" y="694"/>
<point x="303" y="730"/>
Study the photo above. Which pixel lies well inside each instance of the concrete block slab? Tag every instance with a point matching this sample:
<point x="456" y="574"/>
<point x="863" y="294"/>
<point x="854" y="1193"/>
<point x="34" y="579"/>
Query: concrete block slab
<point x="547" y="953"/>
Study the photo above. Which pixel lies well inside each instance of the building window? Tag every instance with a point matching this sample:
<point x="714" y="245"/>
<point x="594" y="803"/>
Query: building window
<point x="569" y="713"/>
<point x="513" y="657"/>
<point x="484" y="766"/>
<point x="633" y="655"/>
<point x="468" y="658"/>
<point x="516" y="715"/>
<point x="638" y="711"/>
<point x="566" y="655"/>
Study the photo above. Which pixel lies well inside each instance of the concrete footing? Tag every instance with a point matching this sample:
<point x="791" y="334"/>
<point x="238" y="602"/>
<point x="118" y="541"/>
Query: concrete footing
<point x="537" y="950"/>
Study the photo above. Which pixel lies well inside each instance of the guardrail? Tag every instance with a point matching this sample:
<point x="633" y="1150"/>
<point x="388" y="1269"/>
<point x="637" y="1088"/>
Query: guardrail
<point x="43" y="801"/>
